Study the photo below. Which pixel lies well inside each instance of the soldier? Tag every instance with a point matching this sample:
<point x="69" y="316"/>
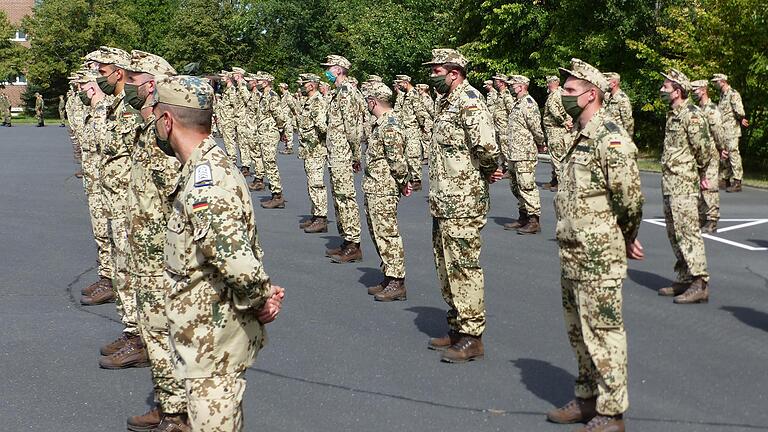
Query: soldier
<point x="525" y="136"/>
<point x="501" y="110"/>
<point x="153" y="179"/>
<point x="414" y="117"/>
<point x="39" y="108"/>
<point x="709" y="199"/>
<point x="220" y="296"/>
<point x="463" y="163"/>
<point x="734" y="117"/>
<point x="224" y="118"/>
<point x="5" y="107"/>
<point x="618" y="105"/>
<point x="62" y="110"/>
<point x="270" y="122"/>
<point x="313" y="126"/>
<point x="387" y="175"/>
<point x="289" y="106"/>
<point x="123" y="123"/>
<point x="426" y="129"/>
<point x="557" y="123"/>
<point x="244" y="98"/>
<point x="684" y="162"/>
<point x="490" y="93"/>
<point x="343" y="142"/>
<point x="599" y="209"/>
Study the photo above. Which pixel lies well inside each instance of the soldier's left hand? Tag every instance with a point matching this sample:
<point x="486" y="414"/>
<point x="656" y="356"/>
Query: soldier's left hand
<point x="496" y="176"/>
<point x="407" y="189"/>
<point x="272" y="306"/>
<point x="635" y="250"/>
<point x="356" y="166"/>
<point x="704" y="183"/>
<point x="745" y="122"/>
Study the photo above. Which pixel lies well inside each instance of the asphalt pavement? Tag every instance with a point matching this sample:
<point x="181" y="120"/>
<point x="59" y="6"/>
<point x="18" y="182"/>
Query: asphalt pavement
<point x="338" y="361"/>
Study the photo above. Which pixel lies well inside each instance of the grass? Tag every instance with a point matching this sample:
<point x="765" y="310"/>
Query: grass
<point x="759" y="180"/>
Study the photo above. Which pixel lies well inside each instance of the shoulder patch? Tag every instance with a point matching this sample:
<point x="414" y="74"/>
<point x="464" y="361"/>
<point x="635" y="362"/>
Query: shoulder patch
<point x="203" y="175"/>
<point x="392" y="120"/>
<point x="583" y="148"/>
<point x="471" y="94"/>
<point x="612" y="127"/>
<point x="530" y="100"/>
<point x="614" y="143"/>
<point x="199" y="206"/>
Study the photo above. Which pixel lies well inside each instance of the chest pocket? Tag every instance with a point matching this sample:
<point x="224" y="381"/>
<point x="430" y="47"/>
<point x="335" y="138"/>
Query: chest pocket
<point x="176" y="244"/>
<point x="586" y="182"/>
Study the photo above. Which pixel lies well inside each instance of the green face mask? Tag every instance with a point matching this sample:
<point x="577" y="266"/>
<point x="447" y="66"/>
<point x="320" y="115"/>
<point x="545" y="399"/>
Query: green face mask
<point x="84" y="98"/>
<point x="696" y="97"/>
<point x="163" y="144"/>
<point x="132" y="96"/>
<point x="571" y="105"/>
<point x="261" y="86"/>
<point x="666" y="97"/>
<point x="304" y="91"/>
<point x="438" y="82"/>
<point x="105" y="86"/>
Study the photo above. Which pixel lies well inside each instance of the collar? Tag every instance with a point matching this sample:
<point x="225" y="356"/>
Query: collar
<point x="457" y="92"/>
<point x="590" y="130"/>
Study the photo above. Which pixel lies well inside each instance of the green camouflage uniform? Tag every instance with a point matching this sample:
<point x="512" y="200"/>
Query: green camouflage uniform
<point x="732" y="111"/>
<point x="386" y="173"/>
<point x="39" y="108"/>
<point x="313" y="126"/>
<point x="5" y="107"/>
<point x="269" y="122"/>
<point x="464" y="153"/>
<point x="62" y="109"/>
<point x="525" y="135"/>
<point x="554" y="120"/>
<point x="619" y="108"/>
<point x="685" y="157"/>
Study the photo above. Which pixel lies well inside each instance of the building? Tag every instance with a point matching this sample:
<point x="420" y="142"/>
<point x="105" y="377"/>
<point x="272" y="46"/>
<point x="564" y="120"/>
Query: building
<point x="16" y="11"/>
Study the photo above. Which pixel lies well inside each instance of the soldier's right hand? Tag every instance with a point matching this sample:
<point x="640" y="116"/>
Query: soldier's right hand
<point x="635" y="250"/>
<point x="272" y="306"/>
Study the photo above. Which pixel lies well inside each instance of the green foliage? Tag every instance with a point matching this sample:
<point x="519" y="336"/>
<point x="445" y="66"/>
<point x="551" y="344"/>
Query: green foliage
<point x="11" y="54"/>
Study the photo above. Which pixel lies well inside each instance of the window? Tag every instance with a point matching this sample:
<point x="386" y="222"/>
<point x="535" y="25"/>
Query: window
<point x="19" y="36"/>
<point x="20" y="80"/>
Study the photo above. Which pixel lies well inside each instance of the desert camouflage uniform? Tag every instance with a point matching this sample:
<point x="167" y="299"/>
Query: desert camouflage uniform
<point x="223" y="111"/>
<point x="464" y="154"/>
<point x="217" y="282"/>
<point x="524" y="135"/>
<point x="343" y="142"/>
<point x="709" y="200"/>
<point x="426" y="130"/>
<point x="503" y="103"/>
<point x="313" y="126"/>
<point x="619" y="108"/>
<point x="599" y="210"/>
<point x="732" y="110"/>
<point x="554" y="120"/>
<point x="288" y="106"/>
<point x="245" y="104"/>
<point x="5" y="107"/>
<point x="39" y="108"/>
<point x="269" y="122"/>
<point x="413" y="116"/>
<point x="386" y="173"/>
<point x="684" y="160"/>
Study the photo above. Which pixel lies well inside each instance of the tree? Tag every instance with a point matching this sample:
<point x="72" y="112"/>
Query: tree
<point x="12" y="55"/>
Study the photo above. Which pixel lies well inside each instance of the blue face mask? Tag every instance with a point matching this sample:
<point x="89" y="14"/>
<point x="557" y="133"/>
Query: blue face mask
<point x="331" y="77"/>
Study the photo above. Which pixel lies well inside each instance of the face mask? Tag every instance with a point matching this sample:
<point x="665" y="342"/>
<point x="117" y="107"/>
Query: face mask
<point x="571" y="105"/>
<point x="304" y="91"/>
<point x="331" y="77"/>
<point x="696" y="97"/>
<point x="261" y="86"/>
<point x="438" y="82"/>
<point x="105" y="86"/>
<point x="84" y="98"/>
<point x="666" y="97"/>
<point x="163" y="144"/>
<point x="132" y="96"/>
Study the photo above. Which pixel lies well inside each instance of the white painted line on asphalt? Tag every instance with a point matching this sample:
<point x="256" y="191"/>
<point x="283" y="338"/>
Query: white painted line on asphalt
<point x="749" y="222"/>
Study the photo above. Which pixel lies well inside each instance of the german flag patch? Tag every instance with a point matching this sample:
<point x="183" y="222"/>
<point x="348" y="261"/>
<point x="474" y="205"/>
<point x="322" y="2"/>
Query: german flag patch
<point x="199" y="206"/>
<point x="615" y="144"/>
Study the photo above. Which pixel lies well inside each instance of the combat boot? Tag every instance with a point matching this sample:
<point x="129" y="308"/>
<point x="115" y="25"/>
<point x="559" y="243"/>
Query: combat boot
<point x="734" y="187"/>
<point x="256" y="185"/>
<point x="521" y="221"/>
<point x="79" y="174"/>
<point x="601" y="423"/>
<point x="102" y="294"/>
<point x="277" y="202"/>
<point x="146" y="422"/>
<point x="394" y="291"/>
<point x="352" y="253"/>
<point x="173" y="423"/>
<point x="245" y="171"/>
<point x="710" y="227"/>
<point x="380" y="287"/>
<point x="132" y="354"/>
<point x="306" y="222"/>
<point x="532" y="227"/>
<point x="676" y="289"/>
<point x="723" y="184"/>
<point x="337" y="250"/>
<point x="92" y="287"/>
<point x="576" y="411"/>
<point x="467" y="348"/>
<point x="117" y="344"/>
<point x="553" y="188"/>
<point x="319" y="225"/>
<point x="698" y="292"/>
<point x="445" y="342"/>
<point x="416" y="185"/>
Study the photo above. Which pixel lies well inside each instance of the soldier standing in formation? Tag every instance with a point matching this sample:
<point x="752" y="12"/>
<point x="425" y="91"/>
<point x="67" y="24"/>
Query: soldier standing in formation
<point x="556" y="123"/>
<point x="62" y="110"/>
<point x="413" y="118"/>
<point x="289" y="105"/>
<point x="618" y="105"/>
<point x="734" y="117"/>
<point x="269" y="123"/>
<point x="5" y="109"/>
<point x="39" y="110"/>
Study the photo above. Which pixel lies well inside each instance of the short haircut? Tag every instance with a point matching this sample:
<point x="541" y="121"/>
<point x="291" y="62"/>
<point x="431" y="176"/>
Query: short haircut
<point x="450" y="67"/>
<point x="683" y="91"/>
<point x="191" y="118"/>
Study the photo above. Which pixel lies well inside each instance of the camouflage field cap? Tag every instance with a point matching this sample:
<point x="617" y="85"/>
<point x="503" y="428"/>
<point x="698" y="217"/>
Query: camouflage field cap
<point x="336" y="60"/>
<point x="353" y="81"/>
<point x="678" y="77"/>
<point x="405" y="78"/>
<point x="238" y="70"/>
<point x="611" y="75"/>
<point x="74" y="76"/>
<point x="719" y="77"/>
<point x="249" y="77"/>
<point x="149" y="63"/>
<point x="109" y="55"/>
<point x="488" y="82"/>
<point x="699" y="84"/>
<point x="308" y="77"/>
<point x="261" y="75"/>
<point x="184" y="91"/>
<point x="378" y="91"/>
<point x="88" y="76"/>
<point x="501" y="77"/>
<point x="374" y="78"/>
<point x="424" y="86"/>
<point x="553" y="78"/>
<point x="283" y="85"/>
<point x="441" y="56"/>
<point x="585" y="71"/>
<point x="518" y="79"/>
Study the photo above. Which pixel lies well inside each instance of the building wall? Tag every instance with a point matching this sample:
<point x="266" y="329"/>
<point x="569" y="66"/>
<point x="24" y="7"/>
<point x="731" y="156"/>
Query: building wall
<point x="16" y="11"/>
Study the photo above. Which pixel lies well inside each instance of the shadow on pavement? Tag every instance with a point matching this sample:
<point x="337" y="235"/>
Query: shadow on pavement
<point x="652" y="281"/>
<point x="546" y="381"/>
<point x="370" y="276"/>
<point x="500" y="220"/>
<point x="759" y="242"/>
<point x="429" y="320"/>
<point x="751" y="317"/>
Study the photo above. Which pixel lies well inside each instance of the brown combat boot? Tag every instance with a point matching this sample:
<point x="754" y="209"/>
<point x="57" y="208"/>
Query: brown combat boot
<point x="102" y="294"/>
<point x="676" y="289"/>
<point x="601" y="423"/>
<point x="79" y="174"/>
<point x="319" y="225"/>
<point x="521" y="221"/>
<point x="256" y="185"/>
<point x="337" y="250"/>
<point x="277" y="202"/>
<point x="133" y="354"/>
<point x="734" y="187"/>
<point x="173" y="423"/>
<point x="306" y="222"/>
<point x="352" y="253"/>
<point x="445" y="342"/>
<point x="532" y="227"/>
<point x="698" y="292"/>
<point x="553" y="188"/>
<point x="92" y="287"/>
<point x="245" y="171"/>
<point x="416" y="185"/>
<point x="722" y="184"/>
<point x="380" y="287"/>
<point x="117" y="344"/>
<point x="146" y="422"/>
<point x="576" y="411"/>
<point x="467" y="348"/>
<point x="394" y="291"/>
<point x="710" y="227"/>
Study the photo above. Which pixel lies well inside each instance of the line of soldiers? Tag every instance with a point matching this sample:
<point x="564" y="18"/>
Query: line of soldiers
<point x="178" y="248"/>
